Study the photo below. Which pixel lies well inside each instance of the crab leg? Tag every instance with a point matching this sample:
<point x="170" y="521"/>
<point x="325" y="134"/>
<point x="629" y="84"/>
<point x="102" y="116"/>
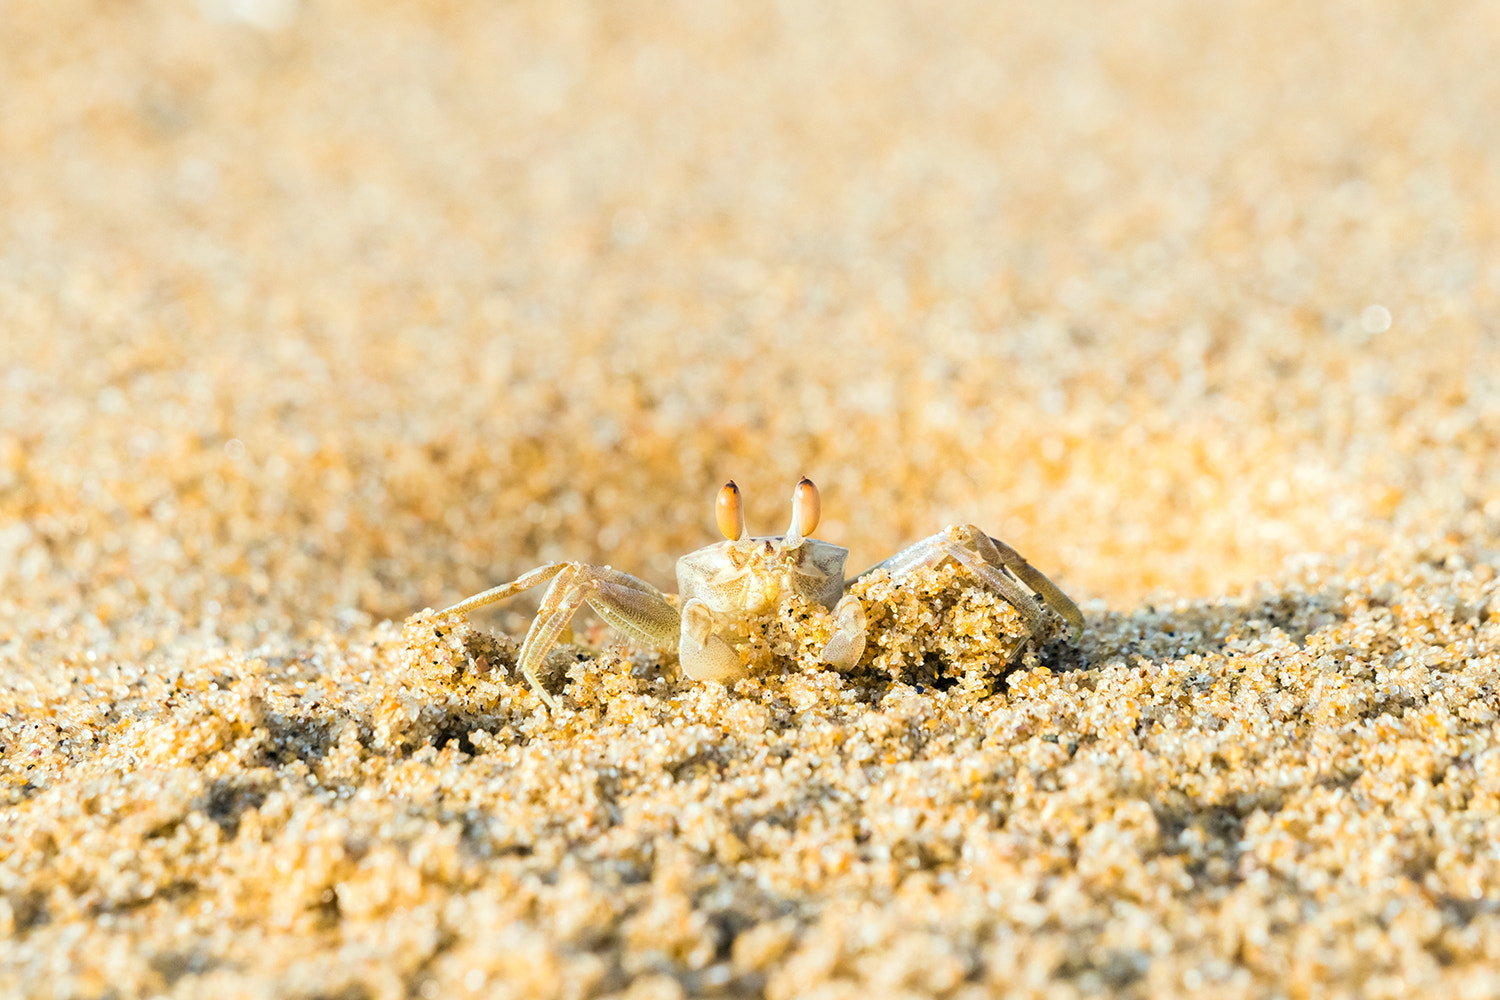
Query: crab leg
<point x="627" y="603"/>
<point x="998" y="566"/>
<point x="1039" y="584"/>
<point x="527" y="580"/>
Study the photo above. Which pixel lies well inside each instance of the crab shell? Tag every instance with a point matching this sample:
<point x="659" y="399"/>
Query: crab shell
<point x="752" y="575"/>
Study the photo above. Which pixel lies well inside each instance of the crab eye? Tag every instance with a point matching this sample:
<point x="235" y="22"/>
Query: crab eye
<point x="730" y="512"/>
<point x="807" y="509"/>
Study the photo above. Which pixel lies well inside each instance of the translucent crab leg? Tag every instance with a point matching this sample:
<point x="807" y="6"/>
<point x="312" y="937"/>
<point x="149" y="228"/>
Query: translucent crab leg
<point x="533" y="578"/>
<point x="996" y="564"/>
<point x="632" y="606"/>
<point x="627" y="603"/>
<point x="558" y="607"/>
<point x="1033" y="578"/>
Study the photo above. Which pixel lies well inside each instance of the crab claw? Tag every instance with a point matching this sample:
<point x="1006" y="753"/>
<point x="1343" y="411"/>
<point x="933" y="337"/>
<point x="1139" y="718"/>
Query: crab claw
<point x="703" y="655"/>
<point x="848" y="643"/>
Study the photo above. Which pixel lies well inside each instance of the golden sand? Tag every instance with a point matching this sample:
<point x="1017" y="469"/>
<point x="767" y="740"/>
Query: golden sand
<point x="317" y="314"/>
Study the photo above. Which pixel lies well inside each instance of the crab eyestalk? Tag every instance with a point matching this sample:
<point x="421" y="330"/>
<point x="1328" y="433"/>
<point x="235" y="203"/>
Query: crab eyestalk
<point x="806" y="511"/>
<point x="729" y="510"/>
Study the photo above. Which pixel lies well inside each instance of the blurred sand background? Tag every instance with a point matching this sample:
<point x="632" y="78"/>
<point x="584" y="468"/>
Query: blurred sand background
<point x="314" y="314"/>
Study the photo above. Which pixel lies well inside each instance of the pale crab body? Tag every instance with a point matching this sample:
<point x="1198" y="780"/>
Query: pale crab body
<point x="752" y="575"/>
<point x="725" y="590"/>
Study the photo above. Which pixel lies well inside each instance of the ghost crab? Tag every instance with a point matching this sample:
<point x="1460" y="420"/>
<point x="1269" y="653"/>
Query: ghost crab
<point x="727" y="585"/>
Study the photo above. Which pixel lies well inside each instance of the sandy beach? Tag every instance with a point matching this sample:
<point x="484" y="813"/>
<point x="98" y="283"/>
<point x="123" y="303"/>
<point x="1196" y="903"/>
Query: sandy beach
<point x="319" y="315"/>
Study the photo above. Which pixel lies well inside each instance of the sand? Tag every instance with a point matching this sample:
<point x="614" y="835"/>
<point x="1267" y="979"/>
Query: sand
<point x="316" y="315"/>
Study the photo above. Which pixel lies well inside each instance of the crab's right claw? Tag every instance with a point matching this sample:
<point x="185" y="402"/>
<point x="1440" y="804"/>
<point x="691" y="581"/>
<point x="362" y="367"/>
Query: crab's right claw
<point x="703" y="655"/>
<point x="848" y="643"/>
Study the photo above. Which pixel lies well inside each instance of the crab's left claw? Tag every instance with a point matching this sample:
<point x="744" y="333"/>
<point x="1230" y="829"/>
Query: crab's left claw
<point x="997" y="565"/>
<point x="848" y="643"/>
